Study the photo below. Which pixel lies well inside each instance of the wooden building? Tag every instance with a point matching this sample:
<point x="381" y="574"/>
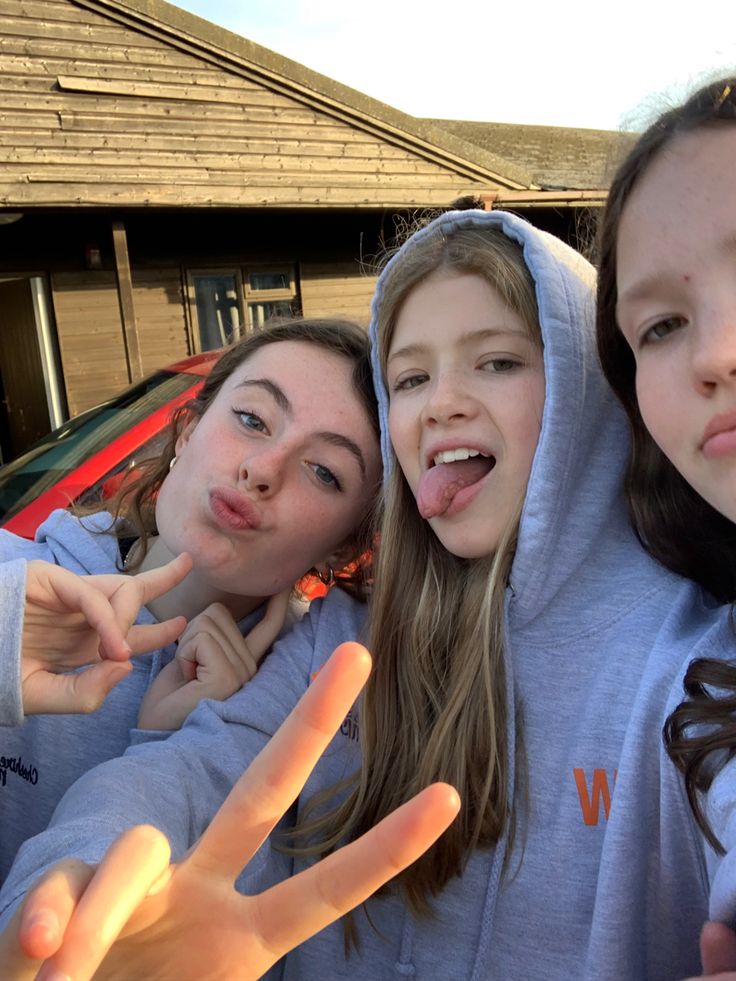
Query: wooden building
<point x="165" y="185"/>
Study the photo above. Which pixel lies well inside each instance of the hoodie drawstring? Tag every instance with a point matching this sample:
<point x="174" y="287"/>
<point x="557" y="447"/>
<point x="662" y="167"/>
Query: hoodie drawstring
<point x="404" y="966"/>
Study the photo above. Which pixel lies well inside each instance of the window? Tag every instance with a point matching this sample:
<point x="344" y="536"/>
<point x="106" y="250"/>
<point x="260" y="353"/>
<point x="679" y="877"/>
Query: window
<point x="270" y="292"/>
<point x="215" y="296"/>
<point x="224" y="303"/>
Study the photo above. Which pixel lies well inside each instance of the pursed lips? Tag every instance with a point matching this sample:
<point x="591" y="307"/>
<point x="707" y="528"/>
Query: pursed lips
<point x="234" y="509"/>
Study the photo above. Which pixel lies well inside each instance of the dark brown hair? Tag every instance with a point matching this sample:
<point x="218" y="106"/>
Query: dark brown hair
<point x="672" y="521"/>
<point x="135" y="501"/>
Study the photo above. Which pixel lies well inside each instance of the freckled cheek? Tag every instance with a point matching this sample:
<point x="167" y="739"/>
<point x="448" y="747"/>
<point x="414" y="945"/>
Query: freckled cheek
<point x="404" y="438"/>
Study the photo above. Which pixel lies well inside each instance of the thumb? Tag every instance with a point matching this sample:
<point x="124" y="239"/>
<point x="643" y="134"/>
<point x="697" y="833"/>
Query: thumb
<point x="78" y="693"/>
<point x="262" y="636"/>
<point x="717" y="948"/>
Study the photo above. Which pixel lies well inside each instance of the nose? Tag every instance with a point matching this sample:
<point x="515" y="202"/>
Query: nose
<point x="714" y="350"/>
<point x="448" y="399"/>
<point x="262" y="473"/>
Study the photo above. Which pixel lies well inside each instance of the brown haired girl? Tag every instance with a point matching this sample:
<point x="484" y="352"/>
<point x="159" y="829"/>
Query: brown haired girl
<point x="270" y="472"/>
<point x="667" y="339"/>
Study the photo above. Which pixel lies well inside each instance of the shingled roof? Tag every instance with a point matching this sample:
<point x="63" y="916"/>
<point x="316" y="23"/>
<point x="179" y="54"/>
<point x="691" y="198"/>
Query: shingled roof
<point x="557" y="157"/>
<point x="237" y="52"/>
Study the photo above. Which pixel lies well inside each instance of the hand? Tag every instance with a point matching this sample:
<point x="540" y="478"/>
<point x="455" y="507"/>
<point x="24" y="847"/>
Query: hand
<point x="137" y="916"/>
<point x="213" y="660"/>
<point x="70" y="621"/>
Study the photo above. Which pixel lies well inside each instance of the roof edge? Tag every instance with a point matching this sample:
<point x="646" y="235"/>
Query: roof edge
<point x="308" y="84"/>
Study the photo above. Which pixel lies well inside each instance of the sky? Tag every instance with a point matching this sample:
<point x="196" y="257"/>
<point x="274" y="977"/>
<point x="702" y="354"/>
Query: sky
<point x="569" y="63"/>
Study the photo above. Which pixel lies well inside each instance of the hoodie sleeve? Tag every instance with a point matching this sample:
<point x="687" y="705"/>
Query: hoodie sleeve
<point x="12" y="602"/>
<point x="178" y="784"/>
<point x="15" y="552"/>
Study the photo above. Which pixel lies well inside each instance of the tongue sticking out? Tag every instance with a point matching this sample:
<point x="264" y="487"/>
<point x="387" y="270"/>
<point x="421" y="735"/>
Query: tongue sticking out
<point x="439" y="485"/>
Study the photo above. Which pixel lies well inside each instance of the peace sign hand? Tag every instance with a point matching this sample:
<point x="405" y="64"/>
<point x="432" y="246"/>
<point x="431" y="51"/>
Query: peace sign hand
<point x="137" y="916"/>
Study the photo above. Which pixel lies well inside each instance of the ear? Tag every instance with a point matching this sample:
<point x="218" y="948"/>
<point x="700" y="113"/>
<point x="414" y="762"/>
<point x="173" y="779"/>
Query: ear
<point x="183" y="438"/>
<point x="338" y="559"/>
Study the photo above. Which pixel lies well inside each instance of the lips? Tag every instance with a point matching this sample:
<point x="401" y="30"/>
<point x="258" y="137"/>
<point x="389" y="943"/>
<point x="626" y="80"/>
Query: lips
<point x="719" y="436"/>
<point x="233" y="511"/>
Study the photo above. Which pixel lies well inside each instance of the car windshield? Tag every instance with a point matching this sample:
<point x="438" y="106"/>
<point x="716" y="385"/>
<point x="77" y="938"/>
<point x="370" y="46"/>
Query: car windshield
<point x="56" y="455"/>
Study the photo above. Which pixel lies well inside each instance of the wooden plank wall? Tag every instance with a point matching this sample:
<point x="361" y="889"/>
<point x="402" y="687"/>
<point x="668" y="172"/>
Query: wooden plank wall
<point x="87" y="316"/>
<point x="336" y="289"/>
<point x="159" y="309"/>
<point x="98" y="113"/>
<point x="90" y="337"/>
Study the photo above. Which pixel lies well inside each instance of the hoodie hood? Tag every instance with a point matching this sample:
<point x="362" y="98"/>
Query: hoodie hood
<point x="583" y="447"/>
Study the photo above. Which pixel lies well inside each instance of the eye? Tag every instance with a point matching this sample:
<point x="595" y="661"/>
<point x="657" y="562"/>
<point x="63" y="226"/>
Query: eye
<point x="407" y="382"/>
<point x="662" y="329"/>
<point x="325" y="476"/>
<point x="499" y="364"/>
<point x="249" y="420"/>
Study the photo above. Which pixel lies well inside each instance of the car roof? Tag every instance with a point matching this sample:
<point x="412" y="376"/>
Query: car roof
<point x="197" y="364"/>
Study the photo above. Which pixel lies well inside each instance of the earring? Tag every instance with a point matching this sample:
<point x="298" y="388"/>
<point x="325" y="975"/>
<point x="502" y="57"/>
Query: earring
<point x="326" y="577"/>
<point x="172" y="461"/>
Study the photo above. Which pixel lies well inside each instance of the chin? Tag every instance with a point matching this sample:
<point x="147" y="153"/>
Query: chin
<point x="728" y="509"/>
<point x="463" y="547"/>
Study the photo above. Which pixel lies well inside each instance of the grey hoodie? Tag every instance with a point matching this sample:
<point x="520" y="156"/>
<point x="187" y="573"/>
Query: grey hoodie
<point x="608" y="877"/>
<point x="41" y="756"/>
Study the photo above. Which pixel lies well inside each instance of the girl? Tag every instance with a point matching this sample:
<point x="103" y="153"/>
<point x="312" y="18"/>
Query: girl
<point x="266" y="476"/>
<point x="527" y="652"/>
<point x="667" y="339"/>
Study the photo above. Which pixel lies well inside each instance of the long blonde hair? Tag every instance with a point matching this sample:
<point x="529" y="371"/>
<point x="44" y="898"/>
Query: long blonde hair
<point x="435" y="707"/>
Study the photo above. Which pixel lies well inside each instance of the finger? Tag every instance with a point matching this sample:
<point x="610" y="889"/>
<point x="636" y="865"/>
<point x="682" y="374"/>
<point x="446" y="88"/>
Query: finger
<point x="216" y="624"/>
<point x="262" y="636"/>
<point x="294" y="910"/>
<point x="150" y="637"/>
<point x="135" y="862"/>
<point x="218" y="621"/>
<point x="49" y="907"/>
<point x="79" y="693"/>
<point x="128" y="594"/>
<point x="156" y="582"/>
<point x="81" y="593"/>
<point x="717" y="948"/>
<point x="273" y="780"/>
<point x="186" y="661"/>
<point x="217" y="671"/>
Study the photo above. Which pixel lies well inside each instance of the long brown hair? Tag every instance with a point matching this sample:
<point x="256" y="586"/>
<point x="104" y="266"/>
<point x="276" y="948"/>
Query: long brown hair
<point x="672" y="520"/>
<point x="435" y="706"/>
<point x="135" y="501"/>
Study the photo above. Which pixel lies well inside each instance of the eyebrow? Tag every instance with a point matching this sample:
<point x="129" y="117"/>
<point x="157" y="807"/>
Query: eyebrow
<point x="279" y="397"/>
<point x="483" y="334"/>
<point x="640" y="290"/>
<point x="337" y="439"/>
<point x="276" y="393"/>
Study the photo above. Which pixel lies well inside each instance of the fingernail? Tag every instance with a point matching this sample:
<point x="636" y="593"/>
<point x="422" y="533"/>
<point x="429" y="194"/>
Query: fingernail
<point x="43" y="925"/>
<point x="51" y="974"/>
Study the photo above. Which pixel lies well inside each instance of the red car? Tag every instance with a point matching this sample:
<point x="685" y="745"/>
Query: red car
<point x="79" y="460"/>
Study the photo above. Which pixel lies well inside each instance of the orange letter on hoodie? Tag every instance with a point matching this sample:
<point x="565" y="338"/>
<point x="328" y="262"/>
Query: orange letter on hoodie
<point x="600" y="791"/>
